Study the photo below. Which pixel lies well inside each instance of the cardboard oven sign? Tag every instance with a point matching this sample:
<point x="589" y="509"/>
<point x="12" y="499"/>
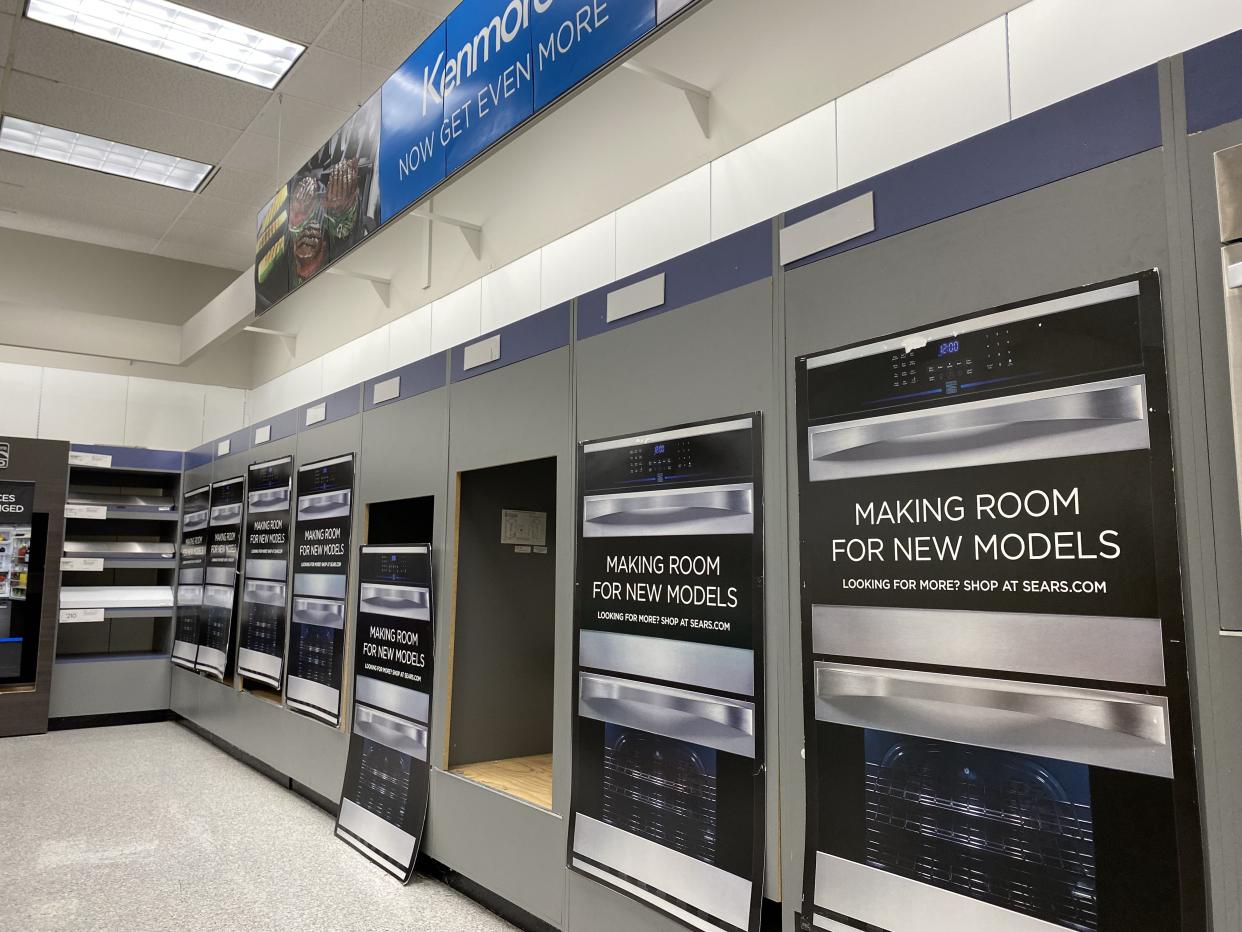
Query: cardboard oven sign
<point x="668" y="786"/>
<point x="269" y="526"/>
<point x="992" y="624"/>
<point x="320" y="586"/>
<point x="387" y="775"/>
<point x="215" y="622"/>
<point x="195" y="515"/>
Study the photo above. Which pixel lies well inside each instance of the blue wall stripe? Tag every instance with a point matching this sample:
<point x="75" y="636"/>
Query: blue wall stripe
<point x="283" y="425"/>
<point x="1214" y="83"/>
<point x="200" y="456"/>
<point x="417" y="378"/>
<point x="531" y="336"/>
<point x="338" y="406"/>
<point x="1108" y="123"/>
<point x="728" y="263"/>
<point x="134" y="457"/>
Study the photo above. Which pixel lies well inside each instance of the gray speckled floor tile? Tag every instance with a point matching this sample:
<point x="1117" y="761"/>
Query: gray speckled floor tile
<point x="151" y="827"/>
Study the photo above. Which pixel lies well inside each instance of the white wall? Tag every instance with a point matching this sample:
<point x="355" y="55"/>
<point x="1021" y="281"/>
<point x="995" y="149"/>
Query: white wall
<point x="97" y="407"/>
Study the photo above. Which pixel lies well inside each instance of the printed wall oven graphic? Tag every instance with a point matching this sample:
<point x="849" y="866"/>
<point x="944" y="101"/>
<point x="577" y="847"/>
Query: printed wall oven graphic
<point x="191" y="570"/>
<point x="997" y="705"/>
<point x="320" y="587"/>
<point x="21" y="576"/>
<point x="215" y="616"/>
<point x="668" y="789"/>
<point x="269" y="521"/>
<point x="387" y="775"/>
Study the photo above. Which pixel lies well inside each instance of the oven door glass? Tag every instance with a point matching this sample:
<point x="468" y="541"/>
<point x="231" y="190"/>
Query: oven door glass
<point x="657" y="767"/>
<point x="661" y="789"/>
<point x="1008" y="829"/>
<point x="314" y="654"/>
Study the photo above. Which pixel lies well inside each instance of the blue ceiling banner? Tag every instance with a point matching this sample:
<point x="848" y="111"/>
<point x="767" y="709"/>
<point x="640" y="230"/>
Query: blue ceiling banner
<point x="488" y="80"/>
<point x="575" y="38"/>
<point x="411" y="119"/>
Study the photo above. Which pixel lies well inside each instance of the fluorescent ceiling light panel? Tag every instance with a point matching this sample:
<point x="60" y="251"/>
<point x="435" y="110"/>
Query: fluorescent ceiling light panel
<point x="61" y="145"/>
<point x="177" y="33"/>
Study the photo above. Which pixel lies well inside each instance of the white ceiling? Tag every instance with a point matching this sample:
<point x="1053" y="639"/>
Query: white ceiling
<point x="257" y="137"/>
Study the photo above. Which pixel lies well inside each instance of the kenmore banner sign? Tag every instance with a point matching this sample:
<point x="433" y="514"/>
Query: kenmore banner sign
<point x="486" y="70"/>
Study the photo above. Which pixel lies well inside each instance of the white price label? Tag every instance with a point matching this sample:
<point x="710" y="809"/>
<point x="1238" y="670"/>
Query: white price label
<point x="82" y="564"/>
<point x="71" y="616"/>
<point x="78" y="458"/>
<point x="316" y="413"/>
<point x="93" y="512"/>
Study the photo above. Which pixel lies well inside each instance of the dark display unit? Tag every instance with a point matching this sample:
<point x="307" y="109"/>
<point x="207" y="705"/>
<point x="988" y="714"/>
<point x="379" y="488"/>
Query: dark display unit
<point x="996" y="668"/>
<point x="120" y="561"/>
<point x="314" y="678"/>
<point x="264" y="600"/>
<point x="669" y="717"/>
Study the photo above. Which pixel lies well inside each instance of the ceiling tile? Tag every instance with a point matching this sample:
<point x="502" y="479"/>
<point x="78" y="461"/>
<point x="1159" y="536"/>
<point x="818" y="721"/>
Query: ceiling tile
<point x="299" y="121"/>
<point x="84" y="111"/>
<point x="393" y="30"/>
<point x="6" y="34"/>
<point x="331" y="79"/>
<point x="300" y="21"/>
<point x="239" y="187"/>
<point x="55" y="179"/>
<point x="226" y="215"/>
<point x="253" y="152"/>
<point x="145" y="79"/>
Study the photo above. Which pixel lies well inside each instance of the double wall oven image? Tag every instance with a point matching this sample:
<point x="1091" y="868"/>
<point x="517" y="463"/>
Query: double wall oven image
<point x="387" y="776"/>
<point x="997" y="701"/>
<point x="667" y="802"/>
<point x="269" y="514"/>
<point x="320" y="585"/>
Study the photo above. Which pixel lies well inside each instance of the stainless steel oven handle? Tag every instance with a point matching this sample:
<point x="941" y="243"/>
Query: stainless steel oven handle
<point x="1098" y="709"/>
<point x="728" y="500"/>
<point x="731" y="713"/>
<point x="974" y="425"/>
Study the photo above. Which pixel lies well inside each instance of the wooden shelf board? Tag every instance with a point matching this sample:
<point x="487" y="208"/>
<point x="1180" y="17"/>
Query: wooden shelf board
<point x="527" y="778"/>
<point x="261" y="691"/>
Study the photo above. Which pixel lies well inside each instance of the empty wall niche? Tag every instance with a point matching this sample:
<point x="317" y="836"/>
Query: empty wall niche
<point x="403" y="521"/>
<point x="500" y="731"/>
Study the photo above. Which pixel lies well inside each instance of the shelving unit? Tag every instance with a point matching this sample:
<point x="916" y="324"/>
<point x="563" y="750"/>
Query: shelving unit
<point x="118" y="574"/>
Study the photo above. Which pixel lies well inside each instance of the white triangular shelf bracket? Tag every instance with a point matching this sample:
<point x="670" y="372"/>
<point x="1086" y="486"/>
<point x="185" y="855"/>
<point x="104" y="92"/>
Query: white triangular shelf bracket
<point x="290" y="340"/>
<point x="382" y="286"/>
<point x="698" y="98"/>
<point x="471" y="231"/>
